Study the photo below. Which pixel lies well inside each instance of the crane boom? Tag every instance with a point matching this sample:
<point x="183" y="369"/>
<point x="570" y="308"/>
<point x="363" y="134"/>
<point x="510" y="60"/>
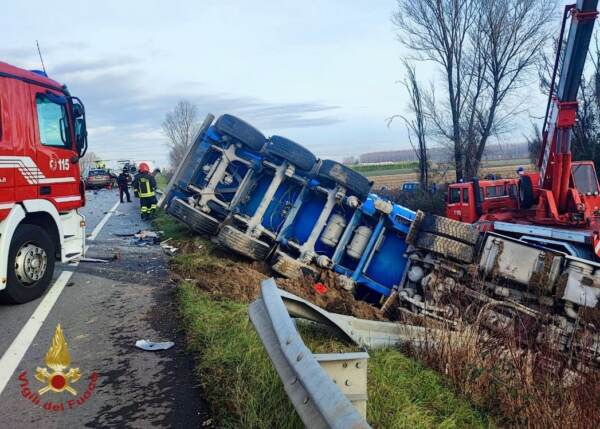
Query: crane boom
<point x="555" y="159"/>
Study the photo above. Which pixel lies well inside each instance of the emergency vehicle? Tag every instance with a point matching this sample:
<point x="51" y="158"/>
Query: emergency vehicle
<point x="42" y="137"/>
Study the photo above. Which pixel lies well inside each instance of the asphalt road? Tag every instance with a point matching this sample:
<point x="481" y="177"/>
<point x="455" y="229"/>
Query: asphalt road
<point x="103" y="310"/>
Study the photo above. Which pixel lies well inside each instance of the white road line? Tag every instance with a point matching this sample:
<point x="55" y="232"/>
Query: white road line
<point x="16" y="351"/>
<point x="107" y="216"/>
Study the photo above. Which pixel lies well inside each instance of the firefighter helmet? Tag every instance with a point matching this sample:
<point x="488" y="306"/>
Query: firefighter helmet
<point x="144" y="168"/>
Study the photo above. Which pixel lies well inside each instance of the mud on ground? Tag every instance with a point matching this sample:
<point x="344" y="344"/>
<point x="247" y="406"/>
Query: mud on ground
<point x="227" y="276"/>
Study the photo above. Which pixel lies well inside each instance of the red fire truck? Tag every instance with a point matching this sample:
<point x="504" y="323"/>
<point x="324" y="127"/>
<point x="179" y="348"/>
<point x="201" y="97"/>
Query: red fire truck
<point x="42" y="137"/>
<point x="559" y="206"/>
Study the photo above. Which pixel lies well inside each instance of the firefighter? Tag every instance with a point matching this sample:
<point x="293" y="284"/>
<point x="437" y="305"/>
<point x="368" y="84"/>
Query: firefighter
<point x="123" y="182"/>
<point x="144" y="187"/>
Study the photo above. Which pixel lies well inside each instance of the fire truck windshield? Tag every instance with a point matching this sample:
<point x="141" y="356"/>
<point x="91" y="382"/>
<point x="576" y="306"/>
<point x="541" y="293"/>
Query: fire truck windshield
<point x="585" y="178"/>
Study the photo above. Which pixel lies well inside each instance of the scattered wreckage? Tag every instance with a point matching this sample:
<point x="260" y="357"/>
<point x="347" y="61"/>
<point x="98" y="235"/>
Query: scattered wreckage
<point x="271" y="199"/>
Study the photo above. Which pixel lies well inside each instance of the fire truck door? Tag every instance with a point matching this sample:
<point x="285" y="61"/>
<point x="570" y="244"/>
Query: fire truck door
<point x="56" y="171"/>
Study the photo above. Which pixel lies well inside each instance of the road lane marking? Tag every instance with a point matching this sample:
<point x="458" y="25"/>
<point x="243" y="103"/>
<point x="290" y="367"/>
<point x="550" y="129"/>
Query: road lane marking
<point x="16" y="351"/>
<point x="107" y="216"/>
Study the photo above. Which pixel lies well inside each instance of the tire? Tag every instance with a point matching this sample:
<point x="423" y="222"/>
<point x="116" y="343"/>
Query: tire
<point x="195" y="219"/>
<point x="20" y="288"/>
<point x="292" y="152"/>
<point x="235" y="240"/>
<point x="446" y="247"/>
<point x="450" y="228"/>
<point x="525" y="192"/>
<point x="291" y="268"/>
<point x="415" y="227"/>
<point x="345" y="176"/>
<point x="241" y="131"/>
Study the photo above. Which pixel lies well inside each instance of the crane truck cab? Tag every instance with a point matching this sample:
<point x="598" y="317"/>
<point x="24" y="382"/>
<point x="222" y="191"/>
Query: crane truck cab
<point x="42" y="137"/>
<point x="469" y="201"/>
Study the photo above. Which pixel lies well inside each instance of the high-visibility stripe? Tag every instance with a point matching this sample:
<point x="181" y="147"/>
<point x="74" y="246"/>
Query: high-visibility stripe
<point x="67" y="199"/>
<point x="149" y="192"/>
<point x="30" y="171"/>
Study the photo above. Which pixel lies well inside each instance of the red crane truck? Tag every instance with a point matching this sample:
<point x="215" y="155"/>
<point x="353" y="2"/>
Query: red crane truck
<point x="42" y="137"/>
<point x="559" y="206"/>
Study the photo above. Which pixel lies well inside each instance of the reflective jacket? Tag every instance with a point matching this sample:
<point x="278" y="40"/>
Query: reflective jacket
<point x="144" y="184"/>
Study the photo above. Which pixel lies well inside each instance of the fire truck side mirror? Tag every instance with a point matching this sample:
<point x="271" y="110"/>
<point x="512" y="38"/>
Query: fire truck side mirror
<point x="77" y="111"/>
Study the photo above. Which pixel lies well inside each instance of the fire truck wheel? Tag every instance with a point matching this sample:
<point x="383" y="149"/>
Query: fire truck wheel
<point x="345" y="176"/>
<point x="241" y="131"/>
<point x="292" y="152"/>
<point x="235" y="240"/>
<point x="445" y="246"/>
<point x="450" y="228"/>
<point x="195" y="219"/>
<point x="525" y="192"/>
<point x="30" y="264"/>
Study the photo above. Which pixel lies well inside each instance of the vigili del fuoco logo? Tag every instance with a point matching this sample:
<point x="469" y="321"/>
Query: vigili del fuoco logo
<point x="57" y="377"/>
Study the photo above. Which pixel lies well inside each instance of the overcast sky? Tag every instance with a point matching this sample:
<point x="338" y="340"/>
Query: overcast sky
<point x="323" y="73"/>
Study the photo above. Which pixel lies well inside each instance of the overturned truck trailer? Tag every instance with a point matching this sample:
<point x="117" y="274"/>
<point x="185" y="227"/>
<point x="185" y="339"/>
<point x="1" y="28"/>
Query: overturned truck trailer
<point x="271" y="199"/>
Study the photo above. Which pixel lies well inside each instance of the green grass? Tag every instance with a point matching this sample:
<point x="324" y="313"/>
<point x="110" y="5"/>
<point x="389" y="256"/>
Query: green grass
<point x="171" y="228"/>
<point x="244" y="390"/>
<point x="407" y="167"/>
<point x="161" y="181"/>
<point x="371" y="168"/>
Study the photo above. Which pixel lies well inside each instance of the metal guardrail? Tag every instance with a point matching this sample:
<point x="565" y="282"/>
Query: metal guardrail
<point x="366" y="333"/>
<point x="317" y="399"/>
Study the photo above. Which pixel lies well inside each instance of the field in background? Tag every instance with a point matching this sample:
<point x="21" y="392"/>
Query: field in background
<point x="393" y="178"/>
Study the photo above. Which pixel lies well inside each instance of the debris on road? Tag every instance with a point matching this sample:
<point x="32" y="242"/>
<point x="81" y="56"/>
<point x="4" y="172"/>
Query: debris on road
<point x="153" y="346"/>
<point x="98" y="260"/>
<point x="146" y="237"/>
<point x="168" y="249"/>
<point x="144" y="234"/>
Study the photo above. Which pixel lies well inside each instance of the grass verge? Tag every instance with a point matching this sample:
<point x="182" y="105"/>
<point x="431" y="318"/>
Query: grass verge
<point x="244" y="390"/>
<point x="241" y="385"/>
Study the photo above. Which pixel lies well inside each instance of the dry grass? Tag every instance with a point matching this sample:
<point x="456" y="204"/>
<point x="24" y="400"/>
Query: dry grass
<point x="520" y="386"/>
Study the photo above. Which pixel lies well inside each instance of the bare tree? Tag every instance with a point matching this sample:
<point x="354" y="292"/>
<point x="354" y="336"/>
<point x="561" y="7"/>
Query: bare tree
<point x="485" y="50"/>
<point x="416" y="126"/>
<point x="180" y="126"/>
<point x="87" y="162"/>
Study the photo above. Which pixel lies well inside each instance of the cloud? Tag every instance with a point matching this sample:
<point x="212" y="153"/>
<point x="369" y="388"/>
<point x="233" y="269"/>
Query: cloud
<point x="125" y="118"/>
<point x="70" y="68"/>
<point x="30" y="53"/>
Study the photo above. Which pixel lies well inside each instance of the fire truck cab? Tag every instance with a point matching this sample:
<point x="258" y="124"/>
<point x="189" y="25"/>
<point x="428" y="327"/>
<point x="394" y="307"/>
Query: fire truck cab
<point x="42" y="137"/>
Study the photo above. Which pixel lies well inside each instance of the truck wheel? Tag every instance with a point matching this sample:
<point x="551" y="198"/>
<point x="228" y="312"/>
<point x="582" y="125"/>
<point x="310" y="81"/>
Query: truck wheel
<point x="525" y="192"/>
<point x="195" y="219"/>
<point x="233" y="239"/>
<point x="450" y="228"/>
<point x="345" y="176"/>
<point x="445" y="246"/>
<point x="415" y="227"/>
<point x="241" y="131"/>
<point x="292" y="152"/>
<point x="291" y="268"/>
<point x="30" y="265"/>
